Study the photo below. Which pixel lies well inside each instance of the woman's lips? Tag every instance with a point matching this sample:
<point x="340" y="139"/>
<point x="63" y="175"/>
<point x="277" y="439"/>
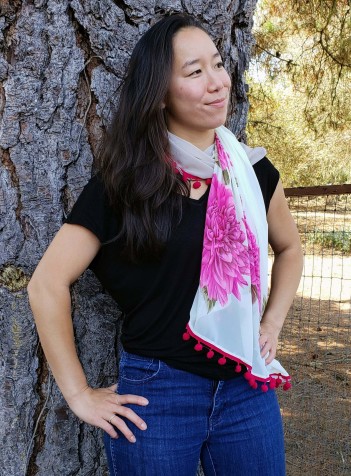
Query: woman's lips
<point x="218" y="102"/>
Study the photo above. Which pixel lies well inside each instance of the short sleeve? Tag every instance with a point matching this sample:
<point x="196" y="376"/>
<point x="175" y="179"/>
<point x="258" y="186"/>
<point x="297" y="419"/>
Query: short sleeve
<point x="268" y="178"/>
<point x="92" y="211"/>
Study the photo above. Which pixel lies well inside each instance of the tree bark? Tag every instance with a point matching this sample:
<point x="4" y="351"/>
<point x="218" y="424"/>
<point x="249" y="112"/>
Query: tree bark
<point x="60" y="66"/>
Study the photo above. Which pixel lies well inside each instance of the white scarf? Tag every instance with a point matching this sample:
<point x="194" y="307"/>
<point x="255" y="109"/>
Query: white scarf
<point x="229" y="303"/>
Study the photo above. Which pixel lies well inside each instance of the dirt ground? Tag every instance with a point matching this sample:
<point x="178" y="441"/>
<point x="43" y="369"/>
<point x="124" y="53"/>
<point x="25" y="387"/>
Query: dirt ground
<point x="315" y="348"/>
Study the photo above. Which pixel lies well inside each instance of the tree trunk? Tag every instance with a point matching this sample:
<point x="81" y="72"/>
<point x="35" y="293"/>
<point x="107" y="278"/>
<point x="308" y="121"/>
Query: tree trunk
<point x="60" y="66"/>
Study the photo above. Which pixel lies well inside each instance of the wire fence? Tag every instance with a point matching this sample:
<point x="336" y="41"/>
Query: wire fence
<point x="316" y="339"/>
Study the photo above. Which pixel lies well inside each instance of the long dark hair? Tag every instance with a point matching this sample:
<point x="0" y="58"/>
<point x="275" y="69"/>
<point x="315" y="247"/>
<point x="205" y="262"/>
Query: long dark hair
<point x="142" y="186"/>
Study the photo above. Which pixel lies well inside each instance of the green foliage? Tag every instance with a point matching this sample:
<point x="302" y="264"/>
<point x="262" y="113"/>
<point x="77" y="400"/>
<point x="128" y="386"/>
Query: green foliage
<point x="337" y="240"/>
<point x="269" y="27"/>
<point x="300" y="101"/>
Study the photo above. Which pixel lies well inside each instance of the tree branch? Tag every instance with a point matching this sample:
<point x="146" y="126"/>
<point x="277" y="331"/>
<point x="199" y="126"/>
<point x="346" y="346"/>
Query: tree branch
<point x="290" y="62"/>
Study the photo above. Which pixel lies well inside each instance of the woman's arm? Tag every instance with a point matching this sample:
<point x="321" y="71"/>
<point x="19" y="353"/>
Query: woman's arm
<point x="69" y="254"/>
<point x="286" y="271"/>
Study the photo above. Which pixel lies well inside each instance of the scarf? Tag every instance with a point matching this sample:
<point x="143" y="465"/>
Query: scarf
<point x="230" y="300"/>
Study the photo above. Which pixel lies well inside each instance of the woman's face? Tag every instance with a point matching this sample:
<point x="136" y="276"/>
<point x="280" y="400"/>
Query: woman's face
<point x="198" y="95"/>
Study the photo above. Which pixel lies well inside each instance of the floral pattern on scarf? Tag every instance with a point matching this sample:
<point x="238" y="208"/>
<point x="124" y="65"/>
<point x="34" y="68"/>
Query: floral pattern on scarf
<point x="225" y="258"/>
<point x="254" y="256"/>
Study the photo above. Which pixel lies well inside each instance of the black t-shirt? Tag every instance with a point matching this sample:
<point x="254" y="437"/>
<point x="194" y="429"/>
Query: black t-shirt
<point x="156" y="296"/>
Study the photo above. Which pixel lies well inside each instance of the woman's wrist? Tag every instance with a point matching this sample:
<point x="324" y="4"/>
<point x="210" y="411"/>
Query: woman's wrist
<point x="70" y="395"/>
<point x="272" y="322"/>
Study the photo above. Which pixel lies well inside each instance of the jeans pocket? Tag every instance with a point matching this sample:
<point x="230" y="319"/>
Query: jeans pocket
<point x="138" y="369"/>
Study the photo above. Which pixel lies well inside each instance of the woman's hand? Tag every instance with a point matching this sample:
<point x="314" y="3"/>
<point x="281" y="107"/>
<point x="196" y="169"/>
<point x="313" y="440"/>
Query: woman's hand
<point x="103" y="407"/>
<point x="268" y="341"/>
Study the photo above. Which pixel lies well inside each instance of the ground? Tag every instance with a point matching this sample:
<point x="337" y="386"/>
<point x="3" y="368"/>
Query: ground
<point x="316" y="349"/>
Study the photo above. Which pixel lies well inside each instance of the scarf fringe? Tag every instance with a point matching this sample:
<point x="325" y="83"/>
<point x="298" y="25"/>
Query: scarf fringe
<point x="274" y="380"/>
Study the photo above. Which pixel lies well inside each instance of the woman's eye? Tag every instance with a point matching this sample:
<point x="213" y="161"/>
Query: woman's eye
<point x="220" y="64"/>
<point x="198" y="71"/>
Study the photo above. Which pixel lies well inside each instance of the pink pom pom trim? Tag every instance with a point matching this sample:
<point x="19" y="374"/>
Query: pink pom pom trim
<point x="247" y="375"/>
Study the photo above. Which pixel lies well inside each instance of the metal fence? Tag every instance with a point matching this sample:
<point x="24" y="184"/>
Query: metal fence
<point x="316" y="339"/>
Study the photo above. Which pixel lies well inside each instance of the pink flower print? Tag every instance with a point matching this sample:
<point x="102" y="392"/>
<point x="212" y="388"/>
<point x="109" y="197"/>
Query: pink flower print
<point x="254" y="257"/>
<point x="225" y="258"/>
<point x="223" y="157"/>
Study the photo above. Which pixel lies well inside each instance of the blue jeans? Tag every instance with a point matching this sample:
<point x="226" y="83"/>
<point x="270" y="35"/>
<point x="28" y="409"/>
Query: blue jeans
<point x="231" y="428"/>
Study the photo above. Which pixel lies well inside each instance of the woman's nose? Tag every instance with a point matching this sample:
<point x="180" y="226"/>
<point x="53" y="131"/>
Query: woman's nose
<point x="214" y="81"/>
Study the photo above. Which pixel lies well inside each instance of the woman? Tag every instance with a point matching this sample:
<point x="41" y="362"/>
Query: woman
<point x="175" y="228"/>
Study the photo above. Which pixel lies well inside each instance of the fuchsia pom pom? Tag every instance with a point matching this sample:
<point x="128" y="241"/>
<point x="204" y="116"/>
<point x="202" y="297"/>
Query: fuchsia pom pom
<point x="264" y="388"/>
<point x="278" y="382"/>
<point x="247" y="375"/>
<point x="197" y="184"/>
<point x="186" y="336"/>
<point x="210" y="354"/>
<point x="272" y="383"/>
<point x="253" y="384"/>
<point x="287" y="385"/>
<point x="198" y="347"/>
<point x="222" y="361"/>
<point x="238" y="368"/>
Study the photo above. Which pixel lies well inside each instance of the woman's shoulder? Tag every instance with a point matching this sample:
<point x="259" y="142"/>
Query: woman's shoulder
<point x="264" y="169"/>
<point x="268" y="178"/>
<point x="264" y="164"/>
<point x="92" y="209"/>
<point x="94" y="185"/>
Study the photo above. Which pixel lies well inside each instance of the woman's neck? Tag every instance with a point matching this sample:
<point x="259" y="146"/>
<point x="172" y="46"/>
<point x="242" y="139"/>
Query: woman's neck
<point x="203" y="140"/>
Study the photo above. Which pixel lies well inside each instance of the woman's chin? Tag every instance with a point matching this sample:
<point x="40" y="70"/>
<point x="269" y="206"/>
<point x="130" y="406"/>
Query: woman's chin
<point x="214" y="124"/>
<point x="216" y="120"/>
